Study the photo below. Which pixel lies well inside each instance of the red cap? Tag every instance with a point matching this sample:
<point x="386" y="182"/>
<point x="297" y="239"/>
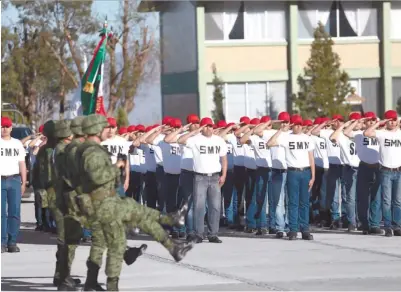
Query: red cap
<point x="255" y="121"/>
<point x="284" y="116"/>
<point x="206" y="122"/>
<point x="230" y="124"/>
<point x="131" y="129"/>
<point x="122" y="130"/>
<point x="370" y="115"/>
<point x="318" y="121"/>
<point x="307" y="123"/>
<point x="214" y="126"/>
<point x="193" y="119"/>
<point x="6" y="122"/>
<point x="112" y="122"/>
<point x="325" y="119"/>
<point x="41" y="128"/>
<point x="140" y="128"/>
<point x="175" y="123"/>
<point x="296" y="120"/>
<point x="265" y="119"/>
<point x="148" y="128"/>
<point x="391" y="115"/>
<point x="338" y="117"/>
<point x="244" y="120"/>
<point x="166" y="120"/>
<point x="155" y="126"/>
<point x="221" y="124"/>
<point x="355" y="116"/>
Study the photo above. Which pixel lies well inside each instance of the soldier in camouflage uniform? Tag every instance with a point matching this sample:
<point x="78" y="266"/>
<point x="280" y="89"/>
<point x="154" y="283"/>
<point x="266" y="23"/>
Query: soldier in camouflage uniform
<point x="99" y="200"/>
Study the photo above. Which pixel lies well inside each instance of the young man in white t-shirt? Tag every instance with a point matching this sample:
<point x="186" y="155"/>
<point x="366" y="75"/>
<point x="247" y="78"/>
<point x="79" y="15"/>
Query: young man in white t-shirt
<point x="390" y="171"/>
<point x="209" y="175"/>
<point x="368" y="190"/>
<point x="351" y="164"/>
<point x="300" y="175"/>
<point x="13" y="183"/>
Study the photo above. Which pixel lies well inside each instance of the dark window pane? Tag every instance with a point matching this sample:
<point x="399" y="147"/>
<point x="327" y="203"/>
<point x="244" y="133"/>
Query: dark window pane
<point x="370" y="91"/>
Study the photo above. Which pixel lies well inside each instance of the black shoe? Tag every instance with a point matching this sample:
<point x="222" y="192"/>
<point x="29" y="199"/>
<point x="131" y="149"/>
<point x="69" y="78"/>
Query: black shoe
<point x="249" y="230"/>
<point x="182" y="235"/>
<point x="388" y="232"/>
<point x="3" y="249"/>
<point x="56" y="281"/>
<point x="239" y="227"/>
<point x="351" y="227"/>
<point x="197" y="239"/>
<point x="375" y="230"/>
<point x="292" y="235"/>
<point x="272" y="231"/>
<point x="13" y="248"/>
<point x="232" y="226"/>
<point x="214" y="239"/>
<point x="307" y="236"/>
<point x="67" y="285"/>
<point x="261" y="231"/>
<point x="39" y="228"/>
<point x="280" y="235"/>
<point x="335" y="225"/>
<point x="397" y="232"/>
<point x="91" y="283"/>
<point x="174" y="234"/>
<point x="223" y="222"/>
<point x="180" y="249"/>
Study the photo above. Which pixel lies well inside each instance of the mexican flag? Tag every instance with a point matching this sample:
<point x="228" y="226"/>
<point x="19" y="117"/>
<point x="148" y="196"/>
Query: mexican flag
<point x="92" y="81"/>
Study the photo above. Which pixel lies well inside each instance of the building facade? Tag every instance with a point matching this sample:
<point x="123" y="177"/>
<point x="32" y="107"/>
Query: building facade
<point x="259" y="49"/>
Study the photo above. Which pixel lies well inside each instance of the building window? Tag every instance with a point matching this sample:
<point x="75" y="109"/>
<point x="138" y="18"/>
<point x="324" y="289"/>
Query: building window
<point x="245" y="20"/>
<point x="370" y="90"/>
<point x="396" y="91"/>
<point x="340" y="18"/>
<point x="253" y="99"/>
<point x="395" y="20"/>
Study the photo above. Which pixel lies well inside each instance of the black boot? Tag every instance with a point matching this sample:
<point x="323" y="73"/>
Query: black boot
<point x="91" y="283"/>
<point x="65" y="280"/>
<point x="180" y="249"/>
<point x="179" y="216"/>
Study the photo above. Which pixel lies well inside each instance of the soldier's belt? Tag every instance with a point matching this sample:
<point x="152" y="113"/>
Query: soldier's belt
<point x="102" y="194"/>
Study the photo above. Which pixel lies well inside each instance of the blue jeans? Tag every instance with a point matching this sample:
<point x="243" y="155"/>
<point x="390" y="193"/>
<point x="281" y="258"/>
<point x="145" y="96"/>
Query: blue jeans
<point x="228" y="194"/>
<point x="250" y="198"/>
<point x="277" y="208"/>
<point x="391" y="196"/>
<point x="319" y="188"/>
<point x="185" y="190"/>
<point x="298" y="199"/>
<point x="86" y="233"/>
<point x="264" y="194"/>
<point x="334" y="183"/>
<point x="160" y="189"/>
<point x="10" y="209"/>
<point x="350" y="181"/>
<point x="368" y="196"/>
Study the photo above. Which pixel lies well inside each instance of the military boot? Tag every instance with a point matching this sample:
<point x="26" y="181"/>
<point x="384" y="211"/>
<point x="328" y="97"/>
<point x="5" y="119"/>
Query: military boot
<point x="112" y="284"/>
<point x="180" y="249"/>
<point x="58" y="274"/>
<point x="178" y="217"/>
<point x="91" y="283"/>
<point x="68" y="284"/>
<point x="65" y="280"/>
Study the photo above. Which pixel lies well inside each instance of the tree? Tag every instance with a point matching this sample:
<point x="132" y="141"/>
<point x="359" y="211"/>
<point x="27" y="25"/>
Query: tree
<point x="122" y="117"/>
<point x="218" y="96"/>
<point x="399" y="106"/>
<point x="324" y="86"/>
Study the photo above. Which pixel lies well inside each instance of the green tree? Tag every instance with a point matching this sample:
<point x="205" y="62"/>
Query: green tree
<point x="323" y="86"/>
<point x="399" y="106"/>
<point x="218" y="96"/>
<point x="122" y="117"/>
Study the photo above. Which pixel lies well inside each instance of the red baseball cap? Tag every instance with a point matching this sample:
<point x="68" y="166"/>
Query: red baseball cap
<point x="338" y="117"/>
<point x="193" y="119"/>
<point x="325" y="119"/>
<point x="296" y="120"/>
<point x="41" y="128"/>
<point x="244" y="120"/>
<point x="166" y="120"/>
<point x="230" y="124"/>
<point x="140" y="128"/>
<point x="175" y="123"/>
<point x="284" y="116"/>
<point x="307" y="123"/>
<point x="206" y="122"/>
<point x="391" y="115"/>
<point x="221" y="124"/>
<point x="148" y="128"/>
<point x="265" y="119"/>
<point x="355" y="116"/>
<point x="112" y="122"/>
<point x="6" y="122"/>
<point x="255" y="121"/>
<point x="318" y="121"/>
<point x="122" y="130"/>
<point x="131" y="129"/>
<point x="370" y="115"/>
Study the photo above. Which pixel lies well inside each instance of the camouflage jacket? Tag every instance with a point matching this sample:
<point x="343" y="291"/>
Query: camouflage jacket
<point x="43" y="171"/>
<point x="59" y="168"/>
<point x="71" y="167"/>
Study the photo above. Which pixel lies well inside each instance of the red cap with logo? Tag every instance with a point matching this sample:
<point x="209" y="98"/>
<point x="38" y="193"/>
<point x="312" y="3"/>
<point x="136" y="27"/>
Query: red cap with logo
<point x="192" y="119"/>
<point x="244" y="120"/>
<point x="140" y="128"/>
<point x="206" y="122"/>
<point x="296" y="120"/>
<point x="284" y="116"/>
<point x="338" y="117"/>
<point x="391" y="115"/>
<point x="166" y="120"/>
<point x="175" y="123"/>
<point x="307" y="123"/>
<point x="355" y="116"/>
<point x="122" y="130"/>
<point x="6" y="122"/>
<point x="265" y="119"/>
<point x="41" y="128"/>
<point x="131" y="129"/>
<point x="221" y="124"/>
<point x="370" y="116"/>
<point x="255" y="121"/>
<point x="112" y="122"/>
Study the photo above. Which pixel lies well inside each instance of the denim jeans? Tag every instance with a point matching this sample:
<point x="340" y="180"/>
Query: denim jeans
<point x="207" y="188"/>
<point x="135" y="189"/>
<point x="185" y="190"/>
<point x="10" y="209"/>
<point x="230" y="207"/>
<point x="335" y="183"/>
<point x="264" y="194"/>
<point x="151" y="189"/>
<point x="298" y="199"/>
<point x="250" y="198"/>
<point x="391" y="196"/>
<point x="279" y="190"/>
<point x="319" y="188"/>
<point x="350" y="182"/>
<point x="160" y="189"/>
<point x="239" y="187"/>
<point x="38" y="209"/>
<point x="368" y="196"/>
<point x="170" y="188"/>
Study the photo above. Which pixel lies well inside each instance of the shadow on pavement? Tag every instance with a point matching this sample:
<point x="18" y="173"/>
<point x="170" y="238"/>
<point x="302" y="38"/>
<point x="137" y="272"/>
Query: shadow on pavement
<point x="18" y="284"/>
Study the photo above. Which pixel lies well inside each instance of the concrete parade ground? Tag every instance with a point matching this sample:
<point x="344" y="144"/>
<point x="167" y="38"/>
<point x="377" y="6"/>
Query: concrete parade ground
<point x="335" y="260"/>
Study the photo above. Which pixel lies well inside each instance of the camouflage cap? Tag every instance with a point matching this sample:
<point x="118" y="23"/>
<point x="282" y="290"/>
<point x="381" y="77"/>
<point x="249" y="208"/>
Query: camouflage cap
<point x="94" y="124"/>
<point x="62" y="129"/>
<point x="76" y="126"/>
<point x="48" y="129"/>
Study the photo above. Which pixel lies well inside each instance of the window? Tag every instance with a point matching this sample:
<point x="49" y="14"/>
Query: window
<point x="396" y="91"/>
<point x="396" y="20"/>
<point x="245" y="20"/>
<point x="368" y="89"/>
<point x="254" y="99"/>
<point x="340" y="18"/>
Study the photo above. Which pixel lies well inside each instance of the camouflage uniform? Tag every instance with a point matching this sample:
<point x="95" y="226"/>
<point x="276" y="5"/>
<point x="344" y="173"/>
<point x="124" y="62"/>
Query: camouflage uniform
<point x="112" y="213"/>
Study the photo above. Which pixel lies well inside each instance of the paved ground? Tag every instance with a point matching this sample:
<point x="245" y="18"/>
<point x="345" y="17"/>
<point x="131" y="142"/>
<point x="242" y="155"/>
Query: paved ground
<point x="333" y="261"/>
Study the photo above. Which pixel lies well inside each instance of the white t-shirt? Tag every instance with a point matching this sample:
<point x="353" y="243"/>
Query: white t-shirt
<point x="333" y="149"/>
<point x="171" y="157"/>
<point x="297" y="148"/>
<point x="238" y="150"/>
<point x="348" y="151"/>
<point x="262" y="152"/>
<point x="277" y="153"/>
<point x="157" y="151"/>
<point x="207" y="152"/>
<point x="366" y="148"/>
<point x="116" y="145"/>
<point x="135" y="158"/>
<point x="320" y="152"/>
<point x="390" y="148"/>
<point x="187" y="158"/>
<point x="230" y="156"/>
<point x="149" y="157"/>
<point x="11" y="153"/>
<point x="249" y="156"/>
